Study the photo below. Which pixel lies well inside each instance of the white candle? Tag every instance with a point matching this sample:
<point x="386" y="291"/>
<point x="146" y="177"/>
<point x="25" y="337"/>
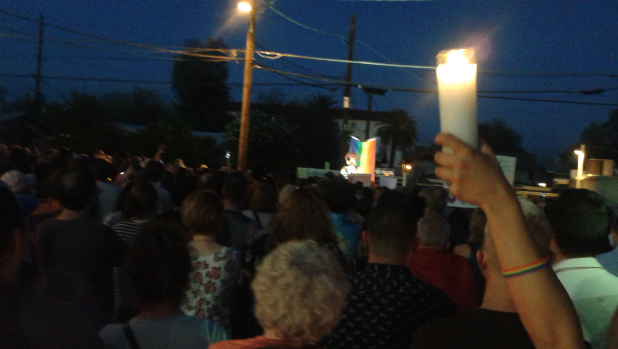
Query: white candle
<point x="457" y="95"/>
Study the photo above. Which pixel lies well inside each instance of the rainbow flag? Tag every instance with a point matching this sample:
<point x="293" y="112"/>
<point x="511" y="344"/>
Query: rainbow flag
<point x="367" y="155"/>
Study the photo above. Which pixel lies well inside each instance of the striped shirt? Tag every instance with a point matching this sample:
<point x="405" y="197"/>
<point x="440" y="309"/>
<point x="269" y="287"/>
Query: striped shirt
<point x="127" y="231"/>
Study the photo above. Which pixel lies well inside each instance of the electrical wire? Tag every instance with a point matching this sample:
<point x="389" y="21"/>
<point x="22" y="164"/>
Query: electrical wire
<point x="332" y="89"/>
<point x="290" y="63"/>
<point x="302" y="25"/>
<point x="265" y="54"/>
<point x="596" y="146"/>
<point x="112" y="41"/>
<point x="389" y="60"/>
<point x="75" y="78"/>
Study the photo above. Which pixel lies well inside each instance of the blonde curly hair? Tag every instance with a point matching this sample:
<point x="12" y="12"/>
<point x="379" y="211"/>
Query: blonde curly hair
<point x="300" y="291"/>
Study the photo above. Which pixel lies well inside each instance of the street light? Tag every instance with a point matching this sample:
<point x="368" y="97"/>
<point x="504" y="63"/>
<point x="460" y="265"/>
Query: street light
<point x="249" y="6"/>
<point x="244" y="7"/>
<point x="580" y="167"/>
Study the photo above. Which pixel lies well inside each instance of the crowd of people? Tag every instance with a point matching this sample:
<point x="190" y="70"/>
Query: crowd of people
<point x="131" y="252"/>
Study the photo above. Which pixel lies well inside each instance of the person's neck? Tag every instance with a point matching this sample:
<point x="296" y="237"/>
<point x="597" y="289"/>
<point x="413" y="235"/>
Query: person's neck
<point x="385" y="259"/>
<point x="231" y="206"/>
<point x="557" y="257"/>
<point x="200" y="238"/>
<point x="437" y="248"/>
<point x="497" y="295"/>
<point x="434" y="211"/>
<point x="276" y="335"/>
<point x="159" y="310"/>
<point x="8" y="275"/>
<point x="67" y="215"/>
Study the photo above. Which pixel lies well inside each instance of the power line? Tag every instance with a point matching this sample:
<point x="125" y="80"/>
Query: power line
<point x="596" y="146"/>
<point x="234" y="52"/>
<point x="76" y="78"/>
<point x="550" y="101"/>
<point x="286" y="62"/>
<point x="261" y="66"/>
<point x="112" y="41"/>
<point x="430" y="91"/>
<point x="383" y="56"/>
<point x="397" y="89"/>
<point x="302" y="25"/>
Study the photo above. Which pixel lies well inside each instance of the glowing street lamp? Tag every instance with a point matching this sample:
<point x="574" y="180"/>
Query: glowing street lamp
<point x="244" y="7"/>
<point x="580" y="167"/>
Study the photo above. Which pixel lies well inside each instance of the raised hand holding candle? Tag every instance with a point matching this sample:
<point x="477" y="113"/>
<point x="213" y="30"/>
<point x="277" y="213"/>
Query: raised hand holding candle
<point x="457" y="95"/>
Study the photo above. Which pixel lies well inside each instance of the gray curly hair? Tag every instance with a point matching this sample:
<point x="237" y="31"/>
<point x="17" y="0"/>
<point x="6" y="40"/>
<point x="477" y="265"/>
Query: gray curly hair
<point x="300" y="291"/>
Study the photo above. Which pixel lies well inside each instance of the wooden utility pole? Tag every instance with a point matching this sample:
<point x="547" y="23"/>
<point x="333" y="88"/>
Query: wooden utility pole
<point x="37" y="76"/>
<point x="346" y="93"/>
<point x="370" y="91"/>
<point x="245" y="113"/>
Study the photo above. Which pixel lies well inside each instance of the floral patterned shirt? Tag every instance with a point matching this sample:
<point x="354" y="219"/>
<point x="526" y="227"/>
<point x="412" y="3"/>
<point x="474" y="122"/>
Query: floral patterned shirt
<point x="212" y="281"/>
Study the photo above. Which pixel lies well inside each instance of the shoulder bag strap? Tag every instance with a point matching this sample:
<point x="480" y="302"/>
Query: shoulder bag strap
<point x="257" y="218"/>
<point x="128" y="333"/>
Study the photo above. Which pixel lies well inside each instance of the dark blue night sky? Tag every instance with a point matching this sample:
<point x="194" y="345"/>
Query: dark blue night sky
<point x="513" y="38"/>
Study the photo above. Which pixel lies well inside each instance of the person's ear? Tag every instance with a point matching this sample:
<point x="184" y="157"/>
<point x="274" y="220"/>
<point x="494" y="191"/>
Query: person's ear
<point x="416" y="244"/>
<point x="483" y="261"/>
<point x="21" y="241"/>
<point x="365" y="237"/>
<point x="553" y="244"/>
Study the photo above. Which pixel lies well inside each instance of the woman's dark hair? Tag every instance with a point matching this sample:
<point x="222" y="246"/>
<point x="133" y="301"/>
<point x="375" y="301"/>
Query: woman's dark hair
<point x="153" y="171"/>
<point x="338" y="194"/>
<point x="159" y="264"/>
<point x="121" y="202"/>
<point x="264" y="199"/>
<point x="302" y="217"/>
<point x="74" y="187"/>
<point x="202" y="212"/>
<point x="106" y="172"/>
<point x="11" y="218"/>
<point x="183" y="186"/>
<point x="136" y="173"/>
<point x="141" y="202"/>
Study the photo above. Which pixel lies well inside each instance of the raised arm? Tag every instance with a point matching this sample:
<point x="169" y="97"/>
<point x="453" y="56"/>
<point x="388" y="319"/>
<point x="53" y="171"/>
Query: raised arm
<point x="542" y="303"/>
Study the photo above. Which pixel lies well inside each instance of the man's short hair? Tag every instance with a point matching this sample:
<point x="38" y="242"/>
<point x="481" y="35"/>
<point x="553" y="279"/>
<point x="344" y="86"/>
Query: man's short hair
<point x="300" y="291"/>
<point x="153" y="171"/>
<point x="435" y="198"/>
<point x="74" y="187"/>
<point x="11" y="218"/>
<point x="235" y="187"/>
<point x="391" y="228"/>
<point x="141" y="202"/>
<point x="434" y="231"/>
<point x="159" y="264"/>
<point x="104" y="170"/>
<point x="581" y="221"/>
<point x="202" y="212"/>
<point x="537" y="225"/>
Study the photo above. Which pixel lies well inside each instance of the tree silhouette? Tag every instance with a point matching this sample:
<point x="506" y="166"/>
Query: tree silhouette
<point x="601" y="139"/>
<point x="200" y="86"/>
<point x="319" y="136"/>
<point x="399" y="130"/>
<point x="500" y="136"/>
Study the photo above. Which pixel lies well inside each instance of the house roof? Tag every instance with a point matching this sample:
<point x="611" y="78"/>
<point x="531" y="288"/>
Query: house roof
<point x="218" y="137"/>
<point x="13" y="120"/>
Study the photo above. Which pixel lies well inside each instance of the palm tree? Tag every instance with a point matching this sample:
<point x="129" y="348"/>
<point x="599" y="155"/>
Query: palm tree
<point x="320" y="102"/>
<point x="399" y="129"/>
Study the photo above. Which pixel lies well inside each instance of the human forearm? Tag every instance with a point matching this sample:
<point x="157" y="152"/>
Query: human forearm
<point x="542" y="303"/>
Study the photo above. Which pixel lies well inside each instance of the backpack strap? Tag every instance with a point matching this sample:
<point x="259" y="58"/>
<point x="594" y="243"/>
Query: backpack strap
<point x="257" y="218"/>
<point x="128" y="333"/>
